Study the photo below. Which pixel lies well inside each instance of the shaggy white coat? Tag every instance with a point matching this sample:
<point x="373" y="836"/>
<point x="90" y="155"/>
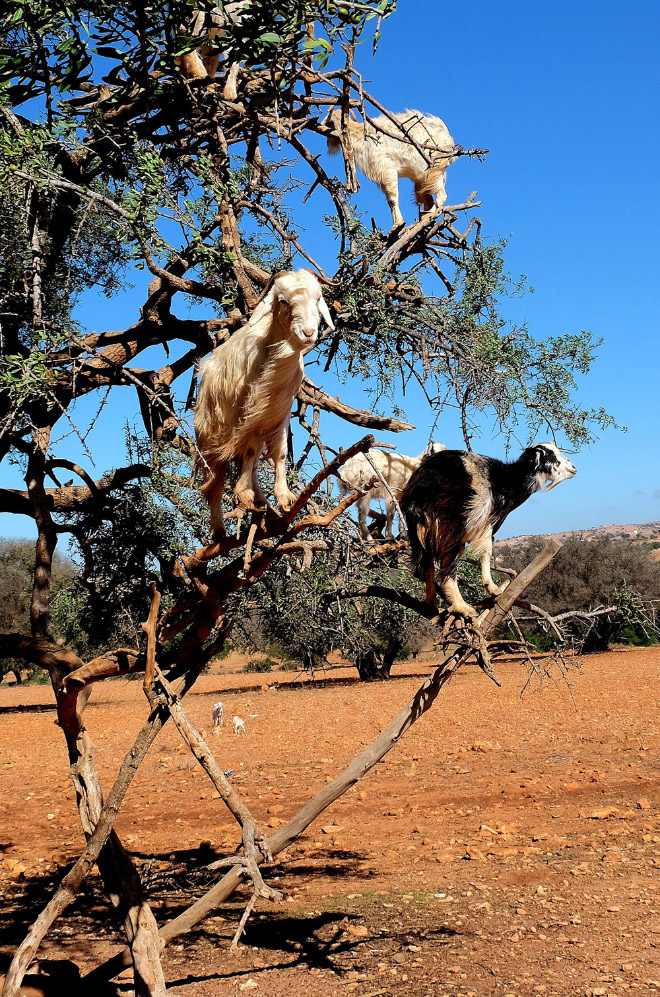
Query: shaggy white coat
<point x="247" y="388"/>
<point x="395" y="468"/>
<point x="383" y="154"/>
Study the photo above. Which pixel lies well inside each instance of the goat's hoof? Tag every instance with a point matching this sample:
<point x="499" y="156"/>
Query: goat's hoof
<point x="468" y="612"/>
<point x="285" y="500"/>
<point x="249" y="501"/>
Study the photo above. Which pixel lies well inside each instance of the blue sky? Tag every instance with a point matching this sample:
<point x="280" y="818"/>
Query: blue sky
<point x="565" y="96"/>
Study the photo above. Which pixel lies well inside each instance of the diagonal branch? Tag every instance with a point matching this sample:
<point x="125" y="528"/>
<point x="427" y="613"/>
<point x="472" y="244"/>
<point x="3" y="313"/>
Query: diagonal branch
<point x="353" y="773"/>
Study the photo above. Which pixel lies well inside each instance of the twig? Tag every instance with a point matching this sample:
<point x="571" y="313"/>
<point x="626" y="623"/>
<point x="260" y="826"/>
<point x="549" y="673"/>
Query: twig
<point x="150" y="629"/>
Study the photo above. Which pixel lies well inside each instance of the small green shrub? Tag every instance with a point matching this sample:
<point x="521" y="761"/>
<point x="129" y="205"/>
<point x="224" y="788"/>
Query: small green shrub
<point x="260" y="665"/>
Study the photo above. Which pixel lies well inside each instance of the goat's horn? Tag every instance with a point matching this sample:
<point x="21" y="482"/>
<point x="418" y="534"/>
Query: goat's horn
<point x="322" y="279"/>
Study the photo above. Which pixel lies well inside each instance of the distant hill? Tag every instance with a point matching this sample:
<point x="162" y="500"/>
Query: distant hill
<point x="633" y="532"/>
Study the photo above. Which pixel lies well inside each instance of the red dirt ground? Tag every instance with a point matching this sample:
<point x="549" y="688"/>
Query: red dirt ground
<point x="506" y="846"/>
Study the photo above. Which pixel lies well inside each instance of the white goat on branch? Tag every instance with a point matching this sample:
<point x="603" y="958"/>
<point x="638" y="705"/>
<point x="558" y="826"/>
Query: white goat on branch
<point x="247" y="388"/>
<point x="395" y="470"/>
<point x="383" y="153"/>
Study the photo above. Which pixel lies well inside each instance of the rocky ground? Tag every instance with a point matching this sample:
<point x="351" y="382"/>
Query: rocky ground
<point x="507" y="846"/>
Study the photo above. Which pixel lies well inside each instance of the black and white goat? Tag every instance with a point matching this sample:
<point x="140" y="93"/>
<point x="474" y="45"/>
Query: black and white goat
<point x="456" y="498"/>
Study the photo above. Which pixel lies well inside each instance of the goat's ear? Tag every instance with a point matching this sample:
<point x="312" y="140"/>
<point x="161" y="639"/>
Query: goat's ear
<point x="325" y="314"/>
<point x="539" y="456"/>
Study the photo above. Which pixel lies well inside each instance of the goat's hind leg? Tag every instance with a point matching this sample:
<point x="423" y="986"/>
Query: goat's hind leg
<point x="390" y="510"/>
<point x="389" y="184"/>
<point x="449" y="585"/>
<point x="247" y="492"/>
<point x="213" y="490"/>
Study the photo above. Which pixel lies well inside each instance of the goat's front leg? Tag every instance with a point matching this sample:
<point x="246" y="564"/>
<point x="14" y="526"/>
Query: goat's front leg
<point x="486" y="577"/>
<point x="283" y="494"/>
<point x="363" y="511"/>
<point x="389" y="184"/>
<point x="247" y="492"/>
<point x="230" y="89"/>
<point x="390" y="510"/>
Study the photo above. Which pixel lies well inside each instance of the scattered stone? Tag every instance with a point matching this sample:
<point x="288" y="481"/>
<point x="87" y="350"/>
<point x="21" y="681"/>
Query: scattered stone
<point x="603" y="814"/>
<point x="475" y="854"/>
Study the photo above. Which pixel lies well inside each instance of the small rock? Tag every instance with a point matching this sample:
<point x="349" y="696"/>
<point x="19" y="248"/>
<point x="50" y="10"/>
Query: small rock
<point x="644" y="804"/>
<point x="603" y="814"/>
<point x="475" y="854"/>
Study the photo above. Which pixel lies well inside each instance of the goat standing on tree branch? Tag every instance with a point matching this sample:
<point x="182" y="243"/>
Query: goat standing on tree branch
<point x="247" y="388"/>
<point x="213" y="26"/>
<point x="456" y="498"/>
<point x="383" y="154"/>
<point x="395" y="468"/>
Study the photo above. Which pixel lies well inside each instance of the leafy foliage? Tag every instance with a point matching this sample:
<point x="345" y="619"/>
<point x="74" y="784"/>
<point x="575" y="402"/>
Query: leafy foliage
<point x="588" y="574"/>
<point x="16" y="569"/>
<point x="113" y="166"/>
<point x="299" y="612"/>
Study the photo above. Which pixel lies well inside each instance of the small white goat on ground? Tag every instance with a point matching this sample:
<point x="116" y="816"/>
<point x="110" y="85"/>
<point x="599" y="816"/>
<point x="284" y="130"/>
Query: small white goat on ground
<point x="238" y="725"/>
<point x="247" y="388"/>
<point x="218" y="714"/>
<point x="395" y="468"/>
<point x="381" y="151"/>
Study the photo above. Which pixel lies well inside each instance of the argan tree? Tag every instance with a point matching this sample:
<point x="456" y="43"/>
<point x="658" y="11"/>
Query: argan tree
<point x="116" y="169"/>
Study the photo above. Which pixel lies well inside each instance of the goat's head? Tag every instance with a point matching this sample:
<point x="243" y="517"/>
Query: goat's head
<point x="298" y="301"/>
<point x="432" y="448"/>
<point x="549" y="465"/>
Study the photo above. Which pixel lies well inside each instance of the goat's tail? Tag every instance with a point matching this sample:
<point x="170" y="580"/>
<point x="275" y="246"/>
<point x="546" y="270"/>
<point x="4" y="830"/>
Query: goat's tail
<point x="421" y="557"/>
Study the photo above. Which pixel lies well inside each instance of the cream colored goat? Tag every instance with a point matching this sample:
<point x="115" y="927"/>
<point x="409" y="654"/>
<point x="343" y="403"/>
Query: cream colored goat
<point x="247" y="388"/>
<point x="212" y="25"/>
<point x="395" y="468"/>
<point x="383" y="154"/>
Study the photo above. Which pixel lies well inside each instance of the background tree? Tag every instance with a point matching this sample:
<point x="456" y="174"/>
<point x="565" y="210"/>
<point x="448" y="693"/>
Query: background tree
<point x="589" y="575"/>
<point x="16" y="572"/>
<point x="122" y="166"/>
<point x="113" y="167"/>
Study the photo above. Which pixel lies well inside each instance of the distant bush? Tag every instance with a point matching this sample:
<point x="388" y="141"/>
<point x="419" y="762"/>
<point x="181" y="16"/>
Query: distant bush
<point x="585" y="575"/>
<point x="16" y="571"/>
<point x="260" y="665"/>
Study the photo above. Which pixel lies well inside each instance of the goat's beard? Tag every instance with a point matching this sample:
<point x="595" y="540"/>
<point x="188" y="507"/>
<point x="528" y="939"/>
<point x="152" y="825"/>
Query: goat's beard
<point x="553" y="482"/>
